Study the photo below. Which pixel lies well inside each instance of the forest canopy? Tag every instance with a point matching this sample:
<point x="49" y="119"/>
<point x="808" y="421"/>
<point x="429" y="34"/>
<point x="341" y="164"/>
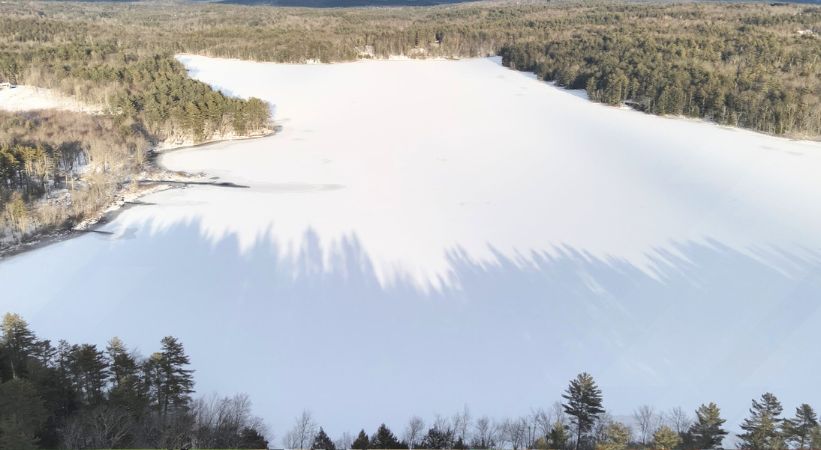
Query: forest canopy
<point x="752" y="65"/>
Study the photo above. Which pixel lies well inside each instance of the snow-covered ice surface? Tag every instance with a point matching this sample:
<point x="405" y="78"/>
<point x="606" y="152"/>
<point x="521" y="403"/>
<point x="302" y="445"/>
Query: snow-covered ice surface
<point x="428" y="234"/>
<point x="25" y="98"/>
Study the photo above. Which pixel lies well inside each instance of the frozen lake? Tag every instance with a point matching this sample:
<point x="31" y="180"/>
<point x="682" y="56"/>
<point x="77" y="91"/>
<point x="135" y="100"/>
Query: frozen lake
<point x="428" y="234"/>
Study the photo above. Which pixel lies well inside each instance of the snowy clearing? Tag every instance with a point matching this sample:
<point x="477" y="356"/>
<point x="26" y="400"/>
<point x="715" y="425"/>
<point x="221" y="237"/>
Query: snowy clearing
<point x="27" y="98"/>
<point x="429" y="234"/>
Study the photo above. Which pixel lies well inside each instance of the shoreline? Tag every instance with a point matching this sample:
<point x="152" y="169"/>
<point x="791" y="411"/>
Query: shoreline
<point x="163" y="148"/>
<point x="624" y="105"/>
<point x="152" y="180"/>
<point x="157" y="179"/>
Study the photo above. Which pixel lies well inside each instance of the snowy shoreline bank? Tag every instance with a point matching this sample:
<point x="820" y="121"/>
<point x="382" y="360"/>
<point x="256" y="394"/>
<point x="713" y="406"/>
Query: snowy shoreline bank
<point x="581" y="93"/>
<point x="150" y="181"/>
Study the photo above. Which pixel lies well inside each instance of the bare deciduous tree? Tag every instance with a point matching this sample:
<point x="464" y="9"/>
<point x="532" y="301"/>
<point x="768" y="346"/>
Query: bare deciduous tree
<point x="679" y="420"/>
<point x="461" y="424"/>
<point x="543" y="423"/>
<point x="601" y="427"/>
<point x="557" y="413"/>
<point x="101" y="427"/>
<point x="531" y="430"/>
<point x="219" y="422"/>
<point x="484" y="435"/>
<point x="514" y="433"/>
<point x="302" y="434"/>
<point x="414" y="430"/>
<point x="344" y="442"/>
<point x="446" y="429"/>
<point x="647" y="421"/>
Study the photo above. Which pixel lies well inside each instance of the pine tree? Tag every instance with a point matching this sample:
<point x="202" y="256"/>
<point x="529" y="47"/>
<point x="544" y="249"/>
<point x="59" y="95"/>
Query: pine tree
<point x="89" y="368"/>
<point x="170" y="381"/>
<point x="665" y="438"/>
<point x="71" y="396"/>
<point x="799" y="429"/>
<point x="14" y="436"/>
<point x="558" y="435"/>
<point x="762" y="430"/>
<point x="22" y="414"/>
<point x="126" y="384"/>
<point x="44" y="353"/>
<point x="385" y="439"/>
<point x="251" y="438"/>
<point x="18" y="343"/>
<point x="541" y="443"/>
<point x="322" y="441"/>
<point x="361" y="442"/>
<point x="707" y="432"/>
<point x="437" y="439"/>
<point x="584" y="404"/>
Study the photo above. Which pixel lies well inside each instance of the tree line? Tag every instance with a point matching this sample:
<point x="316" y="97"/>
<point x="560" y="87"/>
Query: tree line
<point x="79" y="396"/>
<point x="580" y="421"/>
<point x="125" y="75"/>
<point x="748" y="65"/>
<point x="741" y="77"/>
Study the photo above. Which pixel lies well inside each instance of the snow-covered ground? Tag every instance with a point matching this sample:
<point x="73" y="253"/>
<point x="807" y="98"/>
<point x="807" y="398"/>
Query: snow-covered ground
<point x="24" y="98"/>
<point x="427" y="234"/>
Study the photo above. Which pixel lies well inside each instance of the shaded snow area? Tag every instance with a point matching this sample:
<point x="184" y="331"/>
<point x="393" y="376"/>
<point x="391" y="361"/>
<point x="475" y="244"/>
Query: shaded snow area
<point x="428" y="234"/>
<point x="25" y="98"/>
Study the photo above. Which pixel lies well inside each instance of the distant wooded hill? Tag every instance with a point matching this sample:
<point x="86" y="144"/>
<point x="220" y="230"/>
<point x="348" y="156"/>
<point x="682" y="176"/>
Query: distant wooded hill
<point x="301" y="3"/>
<point x="343" y="3"/>
<point x="366" y="3"/>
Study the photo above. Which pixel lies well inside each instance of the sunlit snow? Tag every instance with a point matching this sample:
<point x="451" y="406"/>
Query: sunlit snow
<point x="423" y="235"/>
<point x="26" y="98"/>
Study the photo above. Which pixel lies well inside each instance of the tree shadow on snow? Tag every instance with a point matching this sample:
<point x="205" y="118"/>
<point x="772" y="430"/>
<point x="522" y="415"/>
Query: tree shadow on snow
<point x="707" y="323"/>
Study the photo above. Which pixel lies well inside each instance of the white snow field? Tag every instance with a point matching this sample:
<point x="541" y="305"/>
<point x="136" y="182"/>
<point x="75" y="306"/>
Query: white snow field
<point x="428" y="234"/>
<point x="25" y="98"/>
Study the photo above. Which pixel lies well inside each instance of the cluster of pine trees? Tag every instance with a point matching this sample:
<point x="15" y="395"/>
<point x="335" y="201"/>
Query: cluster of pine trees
<point x="581" y="422"/>
<point x="79" y="396"/>
<point x="741" y="77"/>
<point x="123" y="73"/>
<point x="764" y="429"/>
